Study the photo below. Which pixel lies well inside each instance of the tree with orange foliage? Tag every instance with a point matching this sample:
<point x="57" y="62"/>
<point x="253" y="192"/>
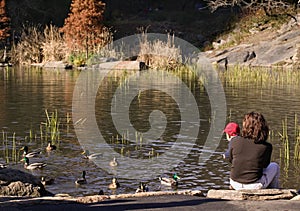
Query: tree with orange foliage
<point x="4" y="22"/>
<point x="83" y="28"/>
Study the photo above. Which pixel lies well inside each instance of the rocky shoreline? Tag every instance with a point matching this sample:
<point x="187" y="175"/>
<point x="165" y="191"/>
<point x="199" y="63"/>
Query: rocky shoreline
<point x="18" y="188"/>
<point x="264" y="47"/>
<point x="183" y="200"/>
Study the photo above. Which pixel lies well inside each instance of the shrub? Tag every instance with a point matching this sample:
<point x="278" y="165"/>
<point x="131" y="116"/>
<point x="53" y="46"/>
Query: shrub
<point x="29" y="49"/>
<point x="53" y="47"/>
<point x="83" y="29"/>
<point x="37" y="45"/>
<point x="159" y="54"/>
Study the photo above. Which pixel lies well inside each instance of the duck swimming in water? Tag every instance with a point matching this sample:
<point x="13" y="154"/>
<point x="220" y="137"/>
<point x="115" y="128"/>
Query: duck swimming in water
<point x="30" y="154"/>
<point x="82" y="180"/>
<point x="33" y="165"/>
<point x="142" y="188"/>
<point x="87" y="155"/>
<point x="50" y="147"/>
<point x="45" y="181"/>
<point x="170" y="181"/>
<point x="114" y="184"/>
<point x="114" y="162"/>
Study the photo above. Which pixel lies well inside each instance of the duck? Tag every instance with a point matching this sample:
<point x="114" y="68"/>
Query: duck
<point x="30" y="154"/>
<point x="142" y="188"/>
<point x="114" y="184"/>
<point x="87" y="155"/>
<point x="33" y="165"/>
<point x="50" y="147"/>
<point x="82" y="180"/>
<point x="114" y="162"/>
<point x="170" y="181"/>
<point x="45" y="181"/>
<point x="101" y="192"/>
<point x="3" y="166"/>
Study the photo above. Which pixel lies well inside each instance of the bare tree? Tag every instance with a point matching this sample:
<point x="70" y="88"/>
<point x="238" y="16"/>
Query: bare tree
<point x="269" y="6"/>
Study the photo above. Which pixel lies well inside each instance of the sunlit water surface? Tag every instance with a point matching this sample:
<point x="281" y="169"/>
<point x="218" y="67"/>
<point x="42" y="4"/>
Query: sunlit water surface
<point x="26" y="94"/>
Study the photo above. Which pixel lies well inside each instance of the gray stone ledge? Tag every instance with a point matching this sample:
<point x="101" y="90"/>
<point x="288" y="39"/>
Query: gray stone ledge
<point x="261" y="194"/>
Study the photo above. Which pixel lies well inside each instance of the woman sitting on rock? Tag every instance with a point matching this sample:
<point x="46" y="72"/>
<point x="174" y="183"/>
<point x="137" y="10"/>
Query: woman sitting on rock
<point x="250" y="156"/>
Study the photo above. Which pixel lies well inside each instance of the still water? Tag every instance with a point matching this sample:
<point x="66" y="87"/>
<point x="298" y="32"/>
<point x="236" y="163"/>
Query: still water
<point x="120" y="98"/>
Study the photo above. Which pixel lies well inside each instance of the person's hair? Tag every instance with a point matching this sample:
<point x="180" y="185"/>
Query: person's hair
<point x="255" y="127"/>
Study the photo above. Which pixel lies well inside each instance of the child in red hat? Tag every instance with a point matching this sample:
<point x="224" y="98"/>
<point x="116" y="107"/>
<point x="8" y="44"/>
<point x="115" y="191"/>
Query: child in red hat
<point x="232" y="130"/>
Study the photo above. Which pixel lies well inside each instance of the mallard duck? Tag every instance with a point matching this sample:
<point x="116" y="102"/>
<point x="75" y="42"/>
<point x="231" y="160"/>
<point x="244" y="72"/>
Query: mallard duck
<point x="82" y="180"/>
<point x="142" y="188"/>
<point x="170" y="181"/>
<point x="30" y="154"/>
<point x="87" y="155"/>
<point x="2" y="166"/>
<point x="50" y="146"/>
<point x="45" y="181"/>
<point x="101" y="192"/>
<point x="33" y="165"/>
<point x="114" y="162"/>
<point x="114" y="184"/>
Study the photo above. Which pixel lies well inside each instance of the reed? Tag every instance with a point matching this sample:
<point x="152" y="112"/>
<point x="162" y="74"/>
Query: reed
<point x="14" y="150"/>
<point x="297" y="146"/>
<point x="266" y="76"/>
<point x="285" y="152"/>
<point x="158" y="54"/>
<point x="297" y="138"/>
<point x="51" y="127"/>
<point x="286" y="144"/>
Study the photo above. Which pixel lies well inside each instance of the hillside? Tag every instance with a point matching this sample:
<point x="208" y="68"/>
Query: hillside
<point x="266" y="42"/>
<point x="226" y="35"/>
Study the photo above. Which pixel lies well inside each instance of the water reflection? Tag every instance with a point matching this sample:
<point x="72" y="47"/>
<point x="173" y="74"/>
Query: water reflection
<point x="26" y="93"/>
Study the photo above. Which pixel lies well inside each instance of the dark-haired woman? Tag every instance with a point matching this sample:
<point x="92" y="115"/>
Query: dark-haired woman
<point x="250" y="156"/>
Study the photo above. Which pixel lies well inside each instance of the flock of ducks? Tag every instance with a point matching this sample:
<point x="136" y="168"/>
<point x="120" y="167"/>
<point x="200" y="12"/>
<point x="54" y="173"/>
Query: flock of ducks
<point x="172" y="182"/>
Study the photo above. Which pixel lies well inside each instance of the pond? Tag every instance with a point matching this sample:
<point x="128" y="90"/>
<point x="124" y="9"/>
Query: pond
<point x="29" y="94"/>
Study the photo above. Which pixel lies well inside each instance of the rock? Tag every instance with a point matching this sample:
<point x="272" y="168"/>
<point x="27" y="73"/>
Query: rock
<point x="263" y="48"/>
<point x="92" y="199"/>
<point x="20" y="189"/>
<point x="18" y="183"/>
<point x="57" y="65"/>
<point x="296" y="198"/>
<point x="120" y="65"/>
<point x="261" y="194"/>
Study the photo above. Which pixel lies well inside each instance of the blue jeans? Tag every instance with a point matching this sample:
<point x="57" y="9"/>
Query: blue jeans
<point x="269" y="179"/>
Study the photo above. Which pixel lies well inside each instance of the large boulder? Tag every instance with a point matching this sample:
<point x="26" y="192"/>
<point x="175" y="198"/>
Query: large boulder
<point x="14" y="182"/>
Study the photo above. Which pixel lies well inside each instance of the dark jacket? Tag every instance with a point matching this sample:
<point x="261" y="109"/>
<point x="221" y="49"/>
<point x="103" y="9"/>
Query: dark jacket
<point x="248" y="159"/>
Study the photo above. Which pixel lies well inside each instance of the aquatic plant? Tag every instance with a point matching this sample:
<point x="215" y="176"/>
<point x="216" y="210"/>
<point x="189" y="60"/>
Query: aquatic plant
<point x="297" y="140"/>
<point x="266" y="76"/>
<point x="52" y="125"/>
<point x="286" y="145"/>
<point x="285" y="140"/>
<point x="10" y="151"/>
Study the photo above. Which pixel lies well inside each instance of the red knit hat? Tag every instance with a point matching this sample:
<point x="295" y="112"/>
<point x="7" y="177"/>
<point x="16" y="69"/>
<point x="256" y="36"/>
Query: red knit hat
<point x="232" y="129"/>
